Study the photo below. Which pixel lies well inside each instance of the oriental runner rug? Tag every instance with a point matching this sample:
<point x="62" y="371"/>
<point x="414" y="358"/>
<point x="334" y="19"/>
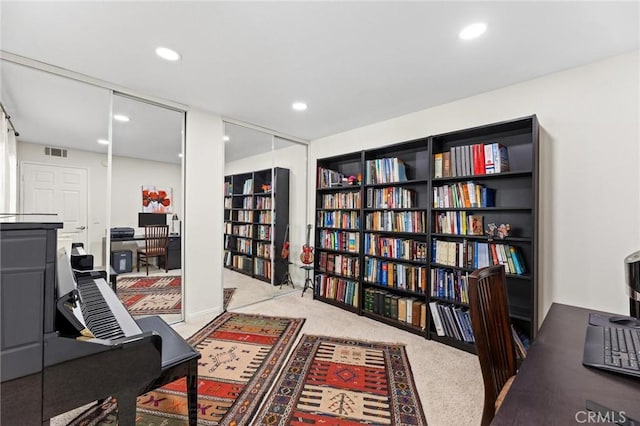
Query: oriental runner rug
<point x="344" y="382"/>
<point x="228" y="294"/>
<point x="241" y="357"/>
<point x="150" y="295"/>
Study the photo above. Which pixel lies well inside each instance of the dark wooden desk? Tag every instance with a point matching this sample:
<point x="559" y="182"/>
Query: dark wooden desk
<point x="552" y="385"/>
<point x="174" y="249"/>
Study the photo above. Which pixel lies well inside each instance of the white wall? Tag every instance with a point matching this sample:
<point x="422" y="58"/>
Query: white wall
<point x="203" y="225"/>
<point x="128" y="176"/>
<point x="589" y="170"/>
<point x="294" y="159"/>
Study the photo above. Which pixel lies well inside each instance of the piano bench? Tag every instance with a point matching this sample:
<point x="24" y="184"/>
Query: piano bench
<point x="179" y="359"/>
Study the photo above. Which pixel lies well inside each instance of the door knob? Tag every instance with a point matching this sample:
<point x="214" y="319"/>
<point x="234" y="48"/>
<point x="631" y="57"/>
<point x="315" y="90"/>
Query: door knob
<point x="81" y="228"/>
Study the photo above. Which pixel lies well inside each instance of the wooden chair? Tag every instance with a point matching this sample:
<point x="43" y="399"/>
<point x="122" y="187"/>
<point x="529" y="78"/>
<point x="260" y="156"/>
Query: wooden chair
<point x="492" y="331"/>
<point x="156" y="240"/>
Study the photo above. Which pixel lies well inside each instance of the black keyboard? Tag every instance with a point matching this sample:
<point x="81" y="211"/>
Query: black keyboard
<point x="613" y="348"/>
<point x="96" y="312"/>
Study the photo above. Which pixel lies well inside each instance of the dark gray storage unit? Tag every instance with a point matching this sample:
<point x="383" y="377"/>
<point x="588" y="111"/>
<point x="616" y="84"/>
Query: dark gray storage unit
<point x="121" y="261"/>
<point x="27" y="283"/>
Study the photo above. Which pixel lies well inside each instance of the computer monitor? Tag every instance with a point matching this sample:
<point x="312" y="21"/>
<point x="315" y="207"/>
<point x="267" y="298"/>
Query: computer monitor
<point x="146" y="219"/>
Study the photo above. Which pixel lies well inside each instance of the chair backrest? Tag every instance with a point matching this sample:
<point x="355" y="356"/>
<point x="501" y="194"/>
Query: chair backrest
<point x="156" y="238"/>
<point x="492" y="331"/>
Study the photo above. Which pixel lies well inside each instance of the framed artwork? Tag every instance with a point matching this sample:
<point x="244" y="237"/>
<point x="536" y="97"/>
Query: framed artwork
<point x="157" y="199"/>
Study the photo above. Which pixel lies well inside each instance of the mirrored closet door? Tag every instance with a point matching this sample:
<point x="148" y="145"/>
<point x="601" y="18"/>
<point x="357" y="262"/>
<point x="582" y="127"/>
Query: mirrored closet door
<point x="62" y="152"/>
<point x="265" y="187"/>
<point x="147" y="207"/>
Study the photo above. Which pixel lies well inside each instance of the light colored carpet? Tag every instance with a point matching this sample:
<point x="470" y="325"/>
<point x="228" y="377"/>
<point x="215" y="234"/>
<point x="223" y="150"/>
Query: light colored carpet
<point x="448" y="380"/>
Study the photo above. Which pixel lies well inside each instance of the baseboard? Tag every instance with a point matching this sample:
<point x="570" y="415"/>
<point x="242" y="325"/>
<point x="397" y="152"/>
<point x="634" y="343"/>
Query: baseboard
<point x="206" y="314"/>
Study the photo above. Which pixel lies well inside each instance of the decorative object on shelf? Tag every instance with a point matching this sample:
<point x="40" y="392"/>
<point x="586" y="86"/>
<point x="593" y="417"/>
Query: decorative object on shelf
<point x="156" y="199"/>
<point x="265" y="187"/>
<point x="351" y="180"/>
<point x="500" y="232"/>
<point x="306" y="256"/>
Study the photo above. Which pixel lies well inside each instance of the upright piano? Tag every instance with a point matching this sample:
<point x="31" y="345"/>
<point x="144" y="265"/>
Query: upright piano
<point x="63" y="343"/>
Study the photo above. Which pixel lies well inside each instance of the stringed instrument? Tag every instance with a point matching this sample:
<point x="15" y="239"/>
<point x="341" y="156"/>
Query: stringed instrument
<point x="306" y="256"/>
<point x="285" y="245"/>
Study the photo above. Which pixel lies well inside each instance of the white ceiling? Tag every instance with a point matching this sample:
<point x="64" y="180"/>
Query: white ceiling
<point x="354" y="63"/>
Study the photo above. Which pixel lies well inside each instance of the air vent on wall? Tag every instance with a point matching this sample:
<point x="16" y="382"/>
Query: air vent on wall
<point x="55" y="152"/>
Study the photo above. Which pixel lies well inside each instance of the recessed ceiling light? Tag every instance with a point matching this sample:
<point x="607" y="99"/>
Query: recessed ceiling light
<point x="299" y="106"/>
<point x="121" y="117"/>
<point x="103" y="142"/>
<point x="168" y="54"/>
<point x="473" y="31"/>
<point x="225" y="138"/>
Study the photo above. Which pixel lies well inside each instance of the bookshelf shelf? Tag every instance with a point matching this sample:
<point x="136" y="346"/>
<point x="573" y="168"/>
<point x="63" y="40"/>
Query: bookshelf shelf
<point x="337" y="303"/>
<point x="418" y="174"/>
<point x="249" y="222"/>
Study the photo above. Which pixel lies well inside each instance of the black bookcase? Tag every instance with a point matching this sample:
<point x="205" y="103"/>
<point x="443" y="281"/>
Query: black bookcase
<point x="256" y="215"/>
<point x="389" y="246"/>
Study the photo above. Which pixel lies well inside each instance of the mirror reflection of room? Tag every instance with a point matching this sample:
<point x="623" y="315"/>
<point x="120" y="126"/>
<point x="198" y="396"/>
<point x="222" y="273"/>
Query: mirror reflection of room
<point x="264" y="178"/>
<point x="146" y="207"/>
<point x="61" y="154"/>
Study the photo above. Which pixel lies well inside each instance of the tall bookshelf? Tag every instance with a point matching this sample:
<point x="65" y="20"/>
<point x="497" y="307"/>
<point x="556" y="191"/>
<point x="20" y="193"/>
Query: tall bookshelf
<point x="256" y="215"/>
<point x="402" y="228"/>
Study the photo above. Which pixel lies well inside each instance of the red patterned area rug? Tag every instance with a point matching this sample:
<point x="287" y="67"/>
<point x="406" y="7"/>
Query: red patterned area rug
<point x="241" y="356"/>
<point x="344" y="382"/>
<point x="151" y="295"/>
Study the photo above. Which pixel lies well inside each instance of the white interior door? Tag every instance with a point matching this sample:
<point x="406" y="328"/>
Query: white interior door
<point x="57" y="189"/>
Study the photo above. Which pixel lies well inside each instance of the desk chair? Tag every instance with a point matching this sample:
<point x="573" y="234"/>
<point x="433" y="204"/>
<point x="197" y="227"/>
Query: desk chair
<point x="492" y="331"/>
<point x="156" y="241"/>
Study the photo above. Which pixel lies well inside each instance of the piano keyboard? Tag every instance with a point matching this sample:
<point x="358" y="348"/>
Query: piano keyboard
<point x="103" y="313"/>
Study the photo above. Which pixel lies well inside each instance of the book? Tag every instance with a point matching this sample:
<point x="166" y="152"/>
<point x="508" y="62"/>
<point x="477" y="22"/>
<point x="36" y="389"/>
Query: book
<point x="446" y="164"/>
<point x="488" y="159"/>
<point x="476" y="226"/>
<point x="437" y="165"/>
<point x="437" y="321"/>
<point x="500" y="158"/>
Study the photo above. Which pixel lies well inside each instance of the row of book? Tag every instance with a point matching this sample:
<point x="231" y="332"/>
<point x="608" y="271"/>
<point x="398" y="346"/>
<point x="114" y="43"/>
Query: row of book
<point x="475" y="159"/>
<point x="477" y="254"/>
<point x="244" y="216"/>
<point x="391" y="198"/>
<point x="395" y="221"/>
<point x="263" y="232"/>
<point x="242" y="230"/>
<point x="448" y="284"/>
<point x="385" y="170"/>
<point x="263" y="203"/>
<point x="264" y="216"/>
<point x="247" y="187"/>
<point x="459" y="223"/>
<point x="396" y="275"/>
<point x="338" y="289"/>
<point x="237" y="261"/>
<point x="521" y="341"/>
<point x="339" y="240"/>
<point x="406" y="309"/>
<point x="332" y="263"/>
<point x="342" y="200"/>
<point x="339" y="219"/>
<point x="463" y="195"/>
<point x="328" y="178"/>
<point x="247" y="202"/>
<point x="262" y="267"/>
<point x="228" y="188"/>
<point x="244" y="246"/>
<point x="396" y="248"/>
<point x="263" y="250"/>
<point x="228" y="203"/>
<point x="452" y="321"/>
